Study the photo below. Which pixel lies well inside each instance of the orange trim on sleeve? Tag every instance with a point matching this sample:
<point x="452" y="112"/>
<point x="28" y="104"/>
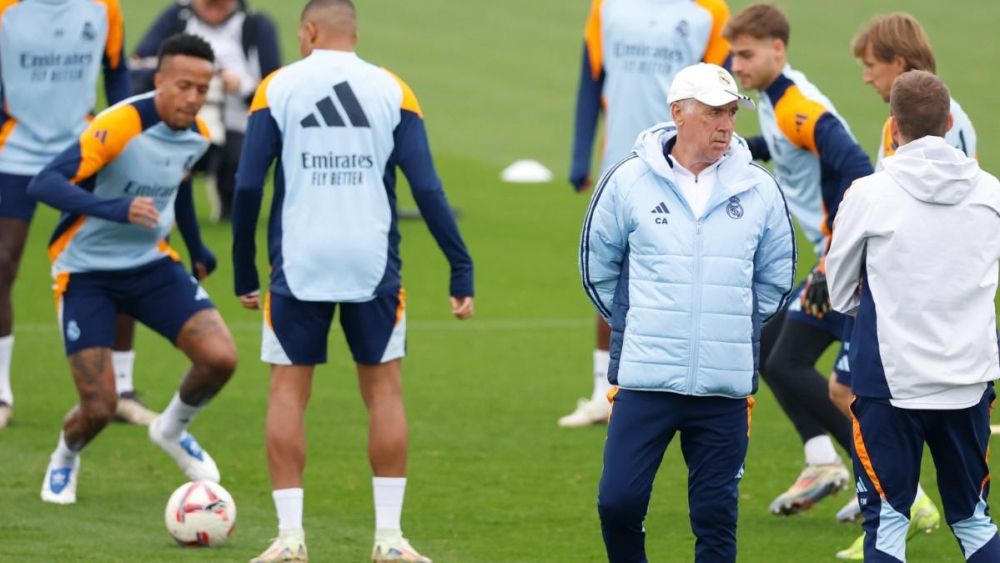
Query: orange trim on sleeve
<point x="863" y="457"/>
<point x="611" y="399"/>
<point x="203" y="128"/>
<point x="4" y="4"/>
<point x="401" y="307"/>
<point x="116" y="32"/>
<point x="593" y="39"/>
<point x="750" y="404"/>
<point x="105" y="138"/>
<point x="260" y="96"/>
<point x="717" y="48"/>
<point x="60" y="244"/>
<point x="165" y="248"/>
<point x="409" y="102"/>
<point x="797" y="116"/>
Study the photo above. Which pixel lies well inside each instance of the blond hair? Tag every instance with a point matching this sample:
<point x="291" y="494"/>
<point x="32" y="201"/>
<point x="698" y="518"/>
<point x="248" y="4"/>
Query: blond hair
<point x="896" y="35"/>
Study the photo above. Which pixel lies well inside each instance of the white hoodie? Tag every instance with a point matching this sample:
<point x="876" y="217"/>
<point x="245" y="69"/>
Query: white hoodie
<point x="915" y="258"/>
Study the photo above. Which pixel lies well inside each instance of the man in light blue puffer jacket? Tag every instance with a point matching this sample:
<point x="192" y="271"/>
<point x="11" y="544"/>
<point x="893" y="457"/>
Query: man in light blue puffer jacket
<point x="687" y="249"/>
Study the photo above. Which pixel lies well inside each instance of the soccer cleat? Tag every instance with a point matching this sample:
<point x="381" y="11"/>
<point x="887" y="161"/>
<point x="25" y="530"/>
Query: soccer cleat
<point x="588" y="412"/>
<point x="394" y="549"/>
<point x="6" y="412"/>
<point x="815" y="483"/>
<point x="924" y="518"/>
<point x="291" y="547"/>
<point x="851" y="511"/>
<point x="190" y="457"/>
<point x="59" y="486"/>
<point x="131" y="410"/>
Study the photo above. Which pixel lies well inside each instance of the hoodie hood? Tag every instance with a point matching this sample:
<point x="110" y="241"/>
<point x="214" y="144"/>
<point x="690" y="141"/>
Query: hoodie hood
<point x="734" y="174"/>
<point x="932" y="171"/>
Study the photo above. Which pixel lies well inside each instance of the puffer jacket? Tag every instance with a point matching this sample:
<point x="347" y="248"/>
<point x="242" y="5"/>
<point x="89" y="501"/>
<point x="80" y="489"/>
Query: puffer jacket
<point x="686" y="296"/>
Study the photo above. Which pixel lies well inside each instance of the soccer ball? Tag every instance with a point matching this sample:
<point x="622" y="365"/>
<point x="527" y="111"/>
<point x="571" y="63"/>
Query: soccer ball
<point x="200" y="513"/>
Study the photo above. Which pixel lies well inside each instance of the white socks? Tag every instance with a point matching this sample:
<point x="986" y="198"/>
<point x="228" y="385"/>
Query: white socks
<point x="388" y="493"/>
<point x="63" y="456"/>
<point x="6" y="351"/>
<point x="123" y="362"/>
<point x="602" y="358"/>
<point x="288" y="504"/>
<point x="176" y="418"/>
<point x="820" y="451"/>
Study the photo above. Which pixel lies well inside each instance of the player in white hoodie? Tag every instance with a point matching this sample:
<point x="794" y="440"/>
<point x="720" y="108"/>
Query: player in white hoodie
<point x="915" y="258"/>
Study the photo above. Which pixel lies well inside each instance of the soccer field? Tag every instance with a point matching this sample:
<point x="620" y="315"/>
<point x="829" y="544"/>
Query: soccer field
<point x="491" y="477"/>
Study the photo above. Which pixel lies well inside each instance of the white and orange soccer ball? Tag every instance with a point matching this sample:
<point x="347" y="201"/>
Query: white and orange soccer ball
<point x="200" y="513"/>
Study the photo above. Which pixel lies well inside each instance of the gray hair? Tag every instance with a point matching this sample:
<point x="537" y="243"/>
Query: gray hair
<point x="687" y="105"/>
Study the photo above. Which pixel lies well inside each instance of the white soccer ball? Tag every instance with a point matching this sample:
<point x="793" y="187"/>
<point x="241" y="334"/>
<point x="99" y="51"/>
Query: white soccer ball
<point x="200" y="513"/>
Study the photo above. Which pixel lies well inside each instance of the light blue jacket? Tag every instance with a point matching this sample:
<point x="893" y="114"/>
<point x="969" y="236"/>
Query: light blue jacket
<point x="686" y="297"/>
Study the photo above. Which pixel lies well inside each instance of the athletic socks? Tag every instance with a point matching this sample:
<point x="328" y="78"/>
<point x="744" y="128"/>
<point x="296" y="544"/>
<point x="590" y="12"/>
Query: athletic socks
<point x="820" y="451"/>
<point x="6" y="351"/>
<point x="176" y="418"/>
<point x="63" y="456"/>
<point x="288" y="504"/>
<point x="602" y="358"/>
<point x="123" y="363"/>
<point x="388" y="493"/>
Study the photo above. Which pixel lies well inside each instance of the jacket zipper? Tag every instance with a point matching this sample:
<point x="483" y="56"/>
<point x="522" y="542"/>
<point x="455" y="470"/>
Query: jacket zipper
<point x="695" y="311"/>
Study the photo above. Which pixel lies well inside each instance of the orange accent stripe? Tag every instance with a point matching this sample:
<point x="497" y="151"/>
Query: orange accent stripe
<point x="260" y="96"/>
<point x="717" y="48"/>
<point x="592" y="38"/>
<point x="203" y="128"/>
<point x="401" y="308"/>
<point x="6" y="130"/>
<point x="267" y="311"/>
<point x="612" y="393"/>
<point x="888" y="146"/>
<point x="60" y="244"/>
<point x="409" y="102"/>
<point x="105" y="138"/>
<point x="863" y="457"/>
<point x="797" y="116"/>
<point x="59" y="287"/>
<point x="750" y="404"/>
<point x="116" y="32"/>
<point x="165" y="248"/>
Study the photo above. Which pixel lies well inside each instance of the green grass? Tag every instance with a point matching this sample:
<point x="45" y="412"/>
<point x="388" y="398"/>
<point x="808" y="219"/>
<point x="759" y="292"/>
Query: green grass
<point x="491" y="477"/>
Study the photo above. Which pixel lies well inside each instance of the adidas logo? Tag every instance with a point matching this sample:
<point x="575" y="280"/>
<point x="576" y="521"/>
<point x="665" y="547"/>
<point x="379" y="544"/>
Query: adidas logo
<point x="660" y="209"/>
<point x="331" y="116"/>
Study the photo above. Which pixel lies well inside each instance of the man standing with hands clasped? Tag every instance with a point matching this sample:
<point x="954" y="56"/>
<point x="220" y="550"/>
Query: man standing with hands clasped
<point x="687" y="249"/>
<point x="923" y="349"/>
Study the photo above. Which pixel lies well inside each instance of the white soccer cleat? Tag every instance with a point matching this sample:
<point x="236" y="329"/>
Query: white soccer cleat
<point x="287" y="547"/>
<point x="6" y="412"/>
<point x="850" y="512"/>
<point x="131" y="410"/>
<point x="59" y="486"/>
<point x="815" y="483"/>
<point x="189" y="455"/>
<point x="396" y="549"/>
<point x="587" y="413"/>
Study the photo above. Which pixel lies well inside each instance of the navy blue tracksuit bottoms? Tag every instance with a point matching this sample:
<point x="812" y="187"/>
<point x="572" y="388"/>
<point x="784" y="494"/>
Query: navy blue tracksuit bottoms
<point x="714" y="435"/>
<point x="888" y="446"/>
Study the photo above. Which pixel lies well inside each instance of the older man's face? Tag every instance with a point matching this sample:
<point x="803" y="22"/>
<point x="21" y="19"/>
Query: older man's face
<point x="708" y="129"/>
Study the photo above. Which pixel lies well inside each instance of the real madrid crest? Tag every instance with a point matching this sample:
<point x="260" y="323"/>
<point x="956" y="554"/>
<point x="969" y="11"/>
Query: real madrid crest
<point x="734" y="209"/>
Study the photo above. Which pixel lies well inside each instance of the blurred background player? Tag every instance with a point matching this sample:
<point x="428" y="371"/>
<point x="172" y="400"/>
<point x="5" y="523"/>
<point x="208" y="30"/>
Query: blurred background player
<point x="89" y="38"/>
<point x="120" y="187"/>
<point x="631" y="51"/>
<point x="888" y="46"/>
<point x="924" y="352"/>
<point x="339" y="128"/>
<point x="246" y="49"/>
<point x="815" y="159"/>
